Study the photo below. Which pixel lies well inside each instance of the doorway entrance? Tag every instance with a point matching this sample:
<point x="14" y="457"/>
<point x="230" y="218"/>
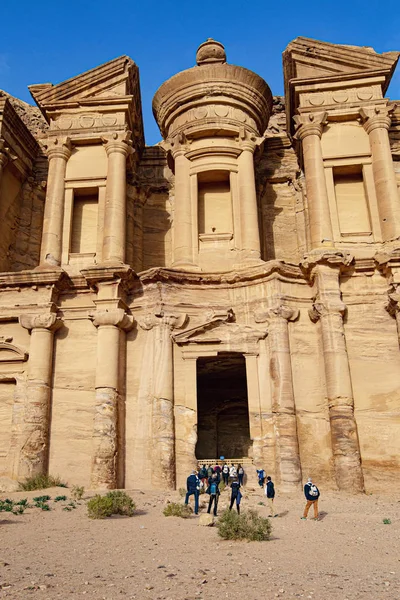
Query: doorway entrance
<point x="222" y="407"/>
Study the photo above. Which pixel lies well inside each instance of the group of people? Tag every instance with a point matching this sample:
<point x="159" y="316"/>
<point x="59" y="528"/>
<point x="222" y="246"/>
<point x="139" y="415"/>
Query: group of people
<point x="228" y="473"/>
<point x="210" y="478"/>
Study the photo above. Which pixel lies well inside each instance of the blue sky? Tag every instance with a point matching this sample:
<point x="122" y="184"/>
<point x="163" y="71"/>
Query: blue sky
<point x="47" y="41"/>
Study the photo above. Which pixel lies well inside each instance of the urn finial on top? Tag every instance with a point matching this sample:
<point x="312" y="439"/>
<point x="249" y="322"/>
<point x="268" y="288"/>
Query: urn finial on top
<point x="210" y="51"/>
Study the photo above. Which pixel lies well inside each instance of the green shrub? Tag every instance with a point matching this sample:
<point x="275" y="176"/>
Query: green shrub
<point x="113" y="503"/>
<point x="77" y="492"/>
<point x="41" y="482"/>
<point x="41" y="498"/>
<point x="174" y="509"/>
<point x="387" y="522"/>
<point x="246" y="526"/>
<point x="60" y="498"/>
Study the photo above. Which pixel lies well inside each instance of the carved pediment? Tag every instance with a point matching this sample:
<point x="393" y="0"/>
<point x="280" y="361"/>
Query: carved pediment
<point x="305" y="58"/>
<point x="204" y="332"/>
<point x="114" y="84"/>
<point x="9" y="353"/>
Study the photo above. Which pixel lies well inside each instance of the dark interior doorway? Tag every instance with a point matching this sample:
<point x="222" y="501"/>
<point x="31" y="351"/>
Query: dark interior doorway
<point x="223" y="412"/>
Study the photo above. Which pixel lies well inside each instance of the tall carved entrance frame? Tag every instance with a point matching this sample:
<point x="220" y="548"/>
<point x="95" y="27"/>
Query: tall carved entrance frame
<point x="217" y="335"/>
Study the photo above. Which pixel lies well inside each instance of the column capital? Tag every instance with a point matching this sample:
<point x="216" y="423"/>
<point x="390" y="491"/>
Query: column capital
<point x="329" y="307"/>
<point x="309" y="124"/>
<point x="116" y="317"/>
<point x="58" y="148"/>
<point x="118" y="143"/>
<point x="165" y="319"/>
<point x="48" y="321"/>
<point x="376" y="117"/>
<point x="177" y="145"/>
<point x="278" y="311"/>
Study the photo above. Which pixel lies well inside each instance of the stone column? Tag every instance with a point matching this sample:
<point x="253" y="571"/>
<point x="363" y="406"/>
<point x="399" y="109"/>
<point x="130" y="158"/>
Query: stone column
<point x="183" y="218"/>
<point x="109" y="325"/>
<point x="35" y="437"/>
<point x="58" y="153"/>
<point x="376" y="124"/>
<point x="309" y="132"/>
<point x="163" y="426"/>
<point x="114" y="237"/>
<point x="186" y="423"/>
<point x="253" y="399"/>
<point x="287" y="456"/>
<point x="329" y="310"/>
<point x="250" y="233"/>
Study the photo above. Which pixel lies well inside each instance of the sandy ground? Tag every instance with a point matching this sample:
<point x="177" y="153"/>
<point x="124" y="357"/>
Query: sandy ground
<point x="348" y="554"/>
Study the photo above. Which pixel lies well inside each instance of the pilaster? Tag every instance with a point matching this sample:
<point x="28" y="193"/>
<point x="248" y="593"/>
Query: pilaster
<point x="287" y="456"/>
<point x="329" y="310"/>
<point x="36" y="427"/>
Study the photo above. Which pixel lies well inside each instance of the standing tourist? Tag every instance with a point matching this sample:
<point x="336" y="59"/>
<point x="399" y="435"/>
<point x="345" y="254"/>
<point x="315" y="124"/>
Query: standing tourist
<point x="240" y="471"/>
<point x="232" y="472"/>
<point x="312" y="494"/>
<point x="213" y="490"/>
<point x="270" y="493"/>
<point x="236" y="495"/>
<point x="261" y="477"/>
<point x="225" y="473"/>
<point x="193" y="488"/>
<point x="203" y="474"/>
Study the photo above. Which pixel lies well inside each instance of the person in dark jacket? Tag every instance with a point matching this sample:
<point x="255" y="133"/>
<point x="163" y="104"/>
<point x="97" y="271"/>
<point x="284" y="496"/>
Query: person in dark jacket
<point x="240" y="472"/>
<point x="213" y="490"/>
<point x="270" y="493"/>
<point x="261" y="477"/>
<point x="312" y="494"/>
<point x="203" y="474"/>
<point x="225" y="473"/>
<point x="193" y="488"/>
<point x="236" y="495"/>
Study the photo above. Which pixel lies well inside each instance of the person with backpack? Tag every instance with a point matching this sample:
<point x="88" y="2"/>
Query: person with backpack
<point x="236" y="495"/>
<point x="261" y="477"/>
<point x="213" y="490"/>
<point x="193" y="488"/>
<point x="312" y="494"/>
<point x="225" y="473"/>
<point x="232" y="472"/>
<point x="270" y="493"/>
<point x="240" y="471"/>
<point x="203" y="474"/>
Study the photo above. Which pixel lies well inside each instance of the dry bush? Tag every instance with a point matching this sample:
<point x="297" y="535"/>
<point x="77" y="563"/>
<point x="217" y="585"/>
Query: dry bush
<point x="41" y="482"/>
<point x="246" y="526"/>
<point x="174" y="509"/>
<point x="113" y="503"/>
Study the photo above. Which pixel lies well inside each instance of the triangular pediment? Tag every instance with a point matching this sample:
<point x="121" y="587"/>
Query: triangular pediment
<point x="116" y="78"/>
<point x="305" y="58"/>
<point x="205" y="331"/>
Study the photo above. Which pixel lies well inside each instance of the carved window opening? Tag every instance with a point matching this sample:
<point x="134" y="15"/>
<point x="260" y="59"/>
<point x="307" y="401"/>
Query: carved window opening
<point x="222" y="405"/>
<point x="351" y="201"/>
<point x="84" y="221"/>
<point x="214" y="205"/>
<point x="7" y="394"/>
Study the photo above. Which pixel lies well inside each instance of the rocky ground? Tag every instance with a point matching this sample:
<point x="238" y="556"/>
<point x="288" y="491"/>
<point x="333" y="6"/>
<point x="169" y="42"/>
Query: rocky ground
<point x="350" y="553"/>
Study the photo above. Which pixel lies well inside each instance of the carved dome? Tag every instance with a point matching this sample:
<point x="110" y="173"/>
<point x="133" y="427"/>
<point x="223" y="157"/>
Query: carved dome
<point x="210" y="51"/>
<point x="213" y="98"/>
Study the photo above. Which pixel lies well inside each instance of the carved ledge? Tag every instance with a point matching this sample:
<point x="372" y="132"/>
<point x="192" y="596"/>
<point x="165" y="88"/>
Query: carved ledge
<point x="38" y="276"/>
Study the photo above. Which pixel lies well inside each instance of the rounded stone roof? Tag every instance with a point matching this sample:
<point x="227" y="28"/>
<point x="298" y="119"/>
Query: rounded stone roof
<point x="213" y="78"/>
<point x="210" y="51"/>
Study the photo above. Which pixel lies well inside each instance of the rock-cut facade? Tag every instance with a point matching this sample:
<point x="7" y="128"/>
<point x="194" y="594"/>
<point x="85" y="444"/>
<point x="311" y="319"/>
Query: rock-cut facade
<point x="233" y="291"/>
